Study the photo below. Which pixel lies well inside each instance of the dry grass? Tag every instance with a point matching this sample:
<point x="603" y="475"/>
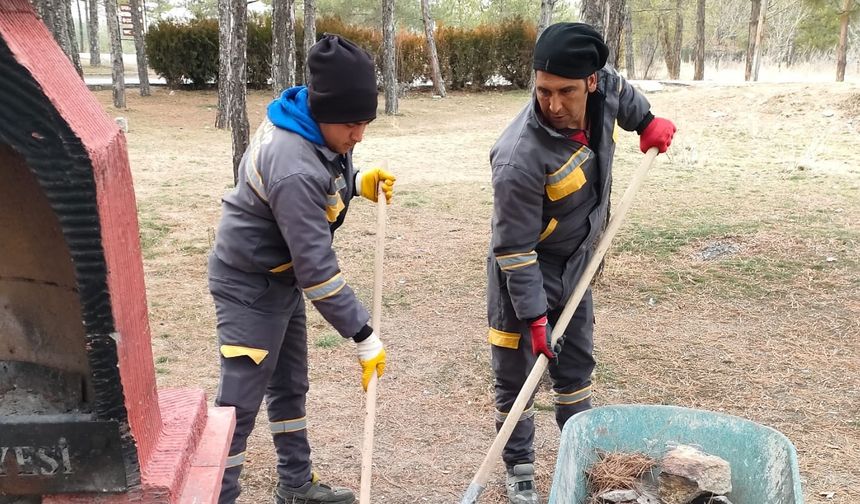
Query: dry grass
<point x="617" y="471"/>
<point x="769" y="332"/>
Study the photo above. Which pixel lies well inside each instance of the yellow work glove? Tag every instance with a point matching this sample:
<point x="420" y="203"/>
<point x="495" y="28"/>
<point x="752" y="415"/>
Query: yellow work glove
<point x="369" y="180"/>
<point x="371" y="356"/>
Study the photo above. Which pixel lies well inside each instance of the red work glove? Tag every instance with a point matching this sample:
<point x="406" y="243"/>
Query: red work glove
<point x="658" y="133"/>
<point x="541" y="339"/>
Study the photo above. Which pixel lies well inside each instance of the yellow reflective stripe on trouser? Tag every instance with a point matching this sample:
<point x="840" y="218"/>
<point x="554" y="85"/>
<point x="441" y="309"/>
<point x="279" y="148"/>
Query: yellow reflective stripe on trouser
<point x="335" y="207"/>
<point x="569" y="178"/>
<point x="572" y="397"/>
<point x="501" y="416"/>
<point x="256" y="354"/>
<point x="282" y="268"/>
<point x="296" y="424"/>
<point x="326" y="289"/>
<point x="550" y="227"/>
<point x="514" y="261"/>
<point x="234" y="460"/>
<point x="503" y="338"/>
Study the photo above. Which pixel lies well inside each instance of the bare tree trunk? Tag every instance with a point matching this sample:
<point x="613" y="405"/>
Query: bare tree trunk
<point x="679" y="36"/>
<point x="80" y="32"/>
<point x="842" y="50"/>
<point x="754" y="15"/>
<point x="283" y="45"/>
<point x="759" y="35"/>
<point x="42" y="9"/>
<point x="592" y="13"/>
<point x="667" y="46"/>
<point x="93" y="29"/>
<point x="438" y="82"/>
<point x="546" y="9"/>
<point x="224" y="32"/>
<point x="116" y="54"/>
<point x="310" y="32"/>
<point x="73" y="39"/>
<point x="238" y="59"/>
<point x="57" y="16"/>
<point x="699" y="72"/>
<point x="629" y="55"/>
<point x="614" y="27"/>
<point x="389" y="68"/>
<point x="140" y="46"/>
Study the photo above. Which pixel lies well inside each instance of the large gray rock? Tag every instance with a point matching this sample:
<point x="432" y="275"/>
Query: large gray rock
<point x="688" y="473"/>
<point x="619" y="496"/>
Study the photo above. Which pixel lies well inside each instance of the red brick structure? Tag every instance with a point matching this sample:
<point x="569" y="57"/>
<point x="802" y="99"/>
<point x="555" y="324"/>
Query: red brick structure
<point x="81" y="419"/>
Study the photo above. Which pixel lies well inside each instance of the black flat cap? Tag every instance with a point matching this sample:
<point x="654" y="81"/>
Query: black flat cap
<point x="572" y="50"/>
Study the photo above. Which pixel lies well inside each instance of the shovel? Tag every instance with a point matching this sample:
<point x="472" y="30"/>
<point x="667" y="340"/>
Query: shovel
<point x="376" y="319"/>
<point x="479" y="482"/>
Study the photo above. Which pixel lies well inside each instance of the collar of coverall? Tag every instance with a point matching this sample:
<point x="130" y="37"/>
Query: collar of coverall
<point x="328" y="153"/>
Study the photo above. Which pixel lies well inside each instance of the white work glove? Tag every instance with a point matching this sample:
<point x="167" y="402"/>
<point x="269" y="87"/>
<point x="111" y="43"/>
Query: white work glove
<point x="371" y="356"/>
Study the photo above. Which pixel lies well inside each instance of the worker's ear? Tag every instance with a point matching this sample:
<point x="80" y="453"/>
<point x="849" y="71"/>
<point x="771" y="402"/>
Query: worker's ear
<point x="591" y="82"/>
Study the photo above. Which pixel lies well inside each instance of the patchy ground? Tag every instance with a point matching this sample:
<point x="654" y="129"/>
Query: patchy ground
<point x="734" y="286"/>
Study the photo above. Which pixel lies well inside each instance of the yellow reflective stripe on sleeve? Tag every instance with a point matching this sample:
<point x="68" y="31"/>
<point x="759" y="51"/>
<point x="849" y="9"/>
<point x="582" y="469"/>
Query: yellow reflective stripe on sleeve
<point x="335" y="207"/>
<point x="503" y="339"/>
<point x="292" y="425"/>
<point x="234" y="460"/>
<point x="550" y="227"/>
<point x="572" y="397"/>
<point x="282" y="268"/>
<point x="615" y="133"/>
<point x="262" y="136"/>
<point x="514" y="261"/>
<point x="569" y="178"/>
<point x="326" y="289"/>
<point x="256" y="354"/>
<point x="501" y="416"/>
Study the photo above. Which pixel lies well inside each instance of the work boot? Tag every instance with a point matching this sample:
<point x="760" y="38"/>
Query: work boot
<point x="313" y="492"/>
<point x="521" y="485"/>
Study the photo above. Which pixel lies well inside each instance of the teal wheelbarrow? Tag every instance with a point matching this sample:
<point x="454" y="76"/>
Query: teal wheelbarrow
<point x="763" y="460"/>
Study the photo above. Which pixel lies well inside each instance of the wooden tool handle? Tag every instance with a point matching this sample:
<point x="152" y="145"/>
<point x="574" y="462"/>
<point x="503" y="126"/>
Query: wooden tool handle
<point x="479" y="482"/>
<point x="376" y="321"/>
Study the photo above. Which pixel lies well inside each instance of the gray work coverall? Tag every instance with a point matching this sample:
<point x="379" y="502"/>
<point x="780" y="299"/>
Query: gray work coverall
<point x="274" y="244"/>
<point x="551" y="198"/>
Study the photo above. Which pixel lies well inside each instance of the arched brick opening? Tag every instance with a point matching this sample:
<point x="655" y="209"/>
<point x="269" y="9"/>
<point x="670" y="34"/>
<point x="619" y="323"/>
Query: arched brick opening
<point x="81" y="419"/>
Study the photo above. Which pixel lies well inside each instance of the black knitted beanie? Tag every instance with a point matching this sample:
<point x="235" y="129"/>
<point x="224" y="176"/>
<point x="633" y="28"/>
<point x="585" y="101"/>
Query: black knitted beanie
<point x="342" y="87"/>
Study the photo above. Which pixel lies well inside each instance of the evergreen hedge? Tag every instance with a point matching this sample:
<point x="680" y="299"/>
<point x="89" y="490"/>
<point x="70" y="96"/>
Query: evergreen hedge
<point x="187" y="52"/>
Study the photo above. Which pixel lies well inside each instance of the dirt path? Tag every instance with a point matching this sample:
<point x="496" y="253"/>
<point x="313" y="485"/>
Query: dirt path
<point x="767" y="175"/>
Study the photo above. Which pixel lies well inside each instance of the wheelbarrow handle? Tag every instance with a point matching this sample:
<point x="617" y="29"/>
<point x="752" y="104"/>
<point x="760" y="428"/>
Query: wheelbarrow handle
<point x="479" y="482"/>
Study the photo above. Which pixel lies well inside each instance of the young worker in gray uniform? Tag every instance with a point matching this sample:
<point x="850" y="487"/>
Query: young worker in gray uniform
<point x="552" y="174"/>
<point x="274" y="245"/>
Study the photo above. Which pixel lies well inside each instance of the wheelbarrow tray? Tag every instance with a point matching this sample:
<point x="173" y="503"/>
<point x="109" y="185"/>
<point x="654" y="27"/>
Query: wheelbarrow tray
<point x="763" y="460"/>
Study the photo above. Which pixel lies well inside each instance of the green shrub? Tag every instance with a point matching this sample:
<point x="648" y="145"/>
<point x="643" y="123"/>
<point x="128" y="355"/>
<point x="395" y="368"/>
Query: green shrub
<point x="412" y="57"/>
<point x="183" y="52"/>
<point x="164" y="46"/>
<point x="514" y="48"/>
<point x="259" y="51"/>
<point x="180" y="51"/>
<point x="468" y="57"/>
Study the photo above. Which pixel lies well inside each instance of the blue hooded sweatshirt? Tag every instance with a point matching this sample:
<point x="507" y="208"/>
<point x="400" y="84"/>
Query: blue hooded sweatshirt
<point x="291" y="112"/>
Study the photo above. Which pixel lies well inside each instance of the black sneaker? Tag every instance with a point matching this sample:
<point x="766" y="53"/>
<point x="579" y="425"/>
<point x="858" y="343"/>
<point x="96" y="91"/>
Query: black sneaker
<point x="313" y="492"/>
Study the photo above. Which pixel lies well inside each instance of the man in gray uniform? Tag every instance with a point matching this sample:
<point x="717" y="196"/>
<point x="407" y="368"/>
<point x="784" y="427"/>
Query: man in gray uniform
<point x="274" y="243"/>
<point x="552" y="175"/>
